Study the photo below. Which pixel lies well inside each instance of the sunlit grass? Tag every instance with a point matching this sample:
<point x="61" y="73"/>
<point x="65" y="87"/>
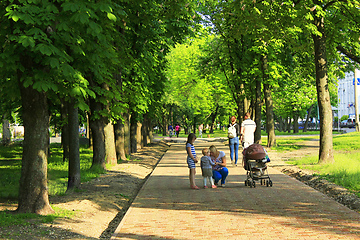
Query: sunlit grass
<point x="345" y="171"/>
<point x="347" y="142"/>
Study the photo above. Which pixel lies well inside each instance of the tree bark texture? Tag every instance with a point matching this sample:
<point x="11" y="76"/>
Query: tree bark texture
<point x="127" y="133"/>
<point x="213" y="117"/>
<point x="296" y="124"/>
<point x="110" y="149"/>
<point x="270" y="124"/>
<point x="307" y="119"/>
<point x="258" y="112"/>
<point x="33" y="189"/>
<point x="65" y="130"/>
<point x="6" y="134"/>
<point x="133" y="133"/>
<point x="74" y="154"/>
<point x="97" y="125"/>
<point x="120" y="141"/>
<point x="322" y="86"/>
<point x="139" y="142"/>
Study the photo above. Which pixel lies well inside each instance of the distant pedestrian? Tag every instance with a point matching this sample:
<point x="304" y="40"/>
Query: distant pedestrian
<point x="177" y="130"/>
<point x="206" y="168"/>
<point x="201" y="127"/>
<point x="191" y="159"/>
<point x="170" y="130"/>
<point x="248" y="128"/>
<point x="233" y="135"/>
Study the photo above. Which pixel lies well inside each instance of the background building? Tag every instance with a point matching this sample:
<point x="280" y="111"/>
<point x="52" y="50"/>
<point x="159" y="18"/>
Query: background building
<point x="346" y="95"/>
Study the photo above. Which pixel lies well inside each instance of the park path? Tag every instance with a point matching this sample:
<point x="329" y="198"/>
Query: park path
<point x="166" y="208"/>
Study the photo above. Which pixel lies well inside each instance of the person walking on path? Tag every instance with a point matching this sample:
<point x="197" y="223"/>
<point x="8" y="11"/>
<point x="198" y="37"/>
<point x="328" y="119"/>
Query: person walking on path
<point x="177" y="130"/>
<point x="206" y="167"/>
<point x="234" y="133"/>
<point x="201" y="127"/>
<point x="170" y="130"/>
<point x="191" y="159"/>
<point x="248" y="128"/>
<point x="220" y="172"/>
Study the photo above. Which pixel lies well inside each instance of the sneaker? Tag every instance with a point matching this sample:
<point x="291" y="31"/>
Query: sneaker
<point x="213" y="186"/>
<point x="222" y="185"/>
<point x="205" y="186"/>
<point x="195" y="187"/>
<point x="216" y="183"/>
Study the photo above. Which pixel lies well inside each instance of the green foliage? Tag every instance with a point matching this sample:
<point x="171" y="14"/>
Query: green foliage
<point x="344" y="117"/>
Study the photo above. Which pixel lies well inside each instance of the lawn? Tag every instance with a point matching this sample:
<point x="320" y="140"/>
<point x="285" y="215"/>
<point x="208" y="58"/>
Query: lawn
<point x="345" y="171"/>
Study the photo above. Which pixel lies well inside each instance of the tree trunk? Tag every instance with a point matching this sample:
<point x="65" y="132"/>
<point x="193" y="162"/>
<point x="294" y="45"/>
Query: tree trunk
<point x="33" y="189"/>
<point x="88" y="131"/>
<point x="288" y="125"/>
<point x="257" y="134"/>
<point x="150" y="132"/>
<point x="270" y="125"/>
<point x="6" y="136"/>
<point x="97" y="125"/>
<point x="296" y="124"/>
<point x="120" y="141"/>
<point x="213" y="117"/>
<point x="139" y="143"/>
<point x="110" y="150"/>
<point x="127" y="133"/>
<point x="145" y="131"/>
<point x="307" y="119"/>
<point x="133" y="133"/>
<point x="64" y="130"/>
<point x="74" y="154"/>
<point x="322" y="86"/>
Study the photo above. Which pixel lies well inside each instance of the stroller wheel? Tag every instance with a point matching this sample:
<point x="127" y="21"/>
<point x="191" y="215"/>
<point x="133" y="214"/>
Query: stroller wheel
<point x="267" y="183"/>
<point x="253" y="183"/>
<point x="270" y="183"/>
<point x="246" y="183"/>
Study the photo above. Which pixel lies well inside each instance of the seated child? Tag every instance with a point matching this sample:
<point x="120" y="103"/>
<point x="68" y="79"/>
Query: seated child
<point x="206" y="168"/>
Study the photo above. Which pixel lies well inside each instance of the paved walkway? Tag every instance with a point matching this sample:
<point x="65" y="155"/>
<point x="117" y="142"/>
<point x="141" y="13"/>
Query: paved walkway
<point x="166" y="208"/>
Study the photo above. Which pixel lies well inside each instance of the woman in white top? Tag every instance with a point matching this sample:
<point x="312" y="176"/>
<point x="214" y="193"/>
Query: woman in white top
<point x="220" y="172"/>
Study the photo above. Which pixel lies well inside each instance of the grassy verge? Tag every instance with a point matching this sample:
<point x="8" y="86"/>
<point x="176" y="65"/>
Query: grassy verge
<point x="345" y="171"/>
<point x="10" y="171"/>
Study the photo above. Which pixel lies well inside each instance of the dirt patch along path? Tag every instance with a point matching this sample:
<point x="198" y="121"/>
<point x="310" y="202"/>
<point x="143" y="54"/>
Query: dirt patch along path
<point x="100" y="204"/>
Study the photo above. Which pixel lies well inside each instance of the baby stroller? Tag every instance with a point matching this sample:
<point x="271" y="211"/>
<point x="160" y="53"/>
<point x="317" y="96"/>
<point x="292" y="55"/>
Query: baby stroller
<point x="254" y="162"/>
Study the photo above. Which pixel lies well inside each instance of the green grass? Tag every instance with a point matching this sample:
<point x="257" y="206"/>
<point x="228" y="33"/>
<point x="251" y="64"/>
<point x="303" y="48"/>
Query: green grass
<point x="277" y="133"/>
<point x="7" y="218"/>
<point x="10" y="170"/>
<point x="347" y="142"/>
<point x="289" y="143"/>
<point x="345" y="171"/>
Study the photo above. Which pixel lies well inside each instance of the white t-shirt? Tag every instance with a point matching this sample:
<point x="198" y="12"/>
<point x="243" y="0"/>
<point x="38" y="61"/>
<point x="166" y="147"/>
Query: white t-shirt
<point x="249" y="129"/>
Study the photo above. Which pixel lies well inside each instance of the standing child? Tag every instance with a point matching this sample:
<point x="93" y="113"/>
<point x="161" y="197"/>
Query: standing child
<point x="191" y="159"/>
<point x="206" y="168"/>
